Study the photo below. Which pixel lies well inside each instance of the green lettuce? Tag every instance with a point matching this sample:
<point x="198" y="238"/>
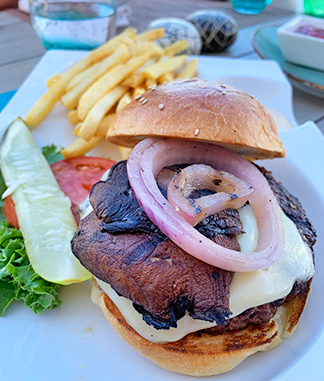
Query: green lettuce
<point x="52" y="153"/>
<point x="18" y="280"/>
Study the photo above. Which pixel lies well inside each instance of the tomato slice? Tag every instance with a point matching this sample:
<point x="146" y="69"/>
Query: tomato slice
<point x="9" y="212"/>
<point x="75" y="177"/>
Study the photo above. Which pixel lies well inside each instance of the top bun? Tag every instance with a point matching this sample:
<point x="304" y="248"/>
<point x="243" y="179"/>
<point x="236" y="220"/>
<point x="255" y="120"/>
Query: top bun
<point x="200" y="111"/>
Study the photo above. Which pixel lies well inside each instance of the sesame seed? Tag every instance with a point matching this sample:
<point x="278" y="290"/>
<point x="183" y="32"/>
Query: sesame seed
<point x="161" y="106"/>
<point x="202" y="86"/>
<point x="222" y="85"/>
<point x="142" y="99"/>
<point x="224" y="92"/>
<point x="251" y="96"/>
<point x="197" y="131"/>
<point x="138" y="97"/>
<point x="177" y="209"/>
<point x="153" y="87"/>
<point x="145" y="101"/>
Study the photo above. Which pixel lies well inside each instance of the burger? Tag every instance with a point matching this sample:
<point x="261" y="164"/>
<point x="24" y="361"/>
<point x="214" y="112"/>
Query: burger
<point x="199" y="257"/>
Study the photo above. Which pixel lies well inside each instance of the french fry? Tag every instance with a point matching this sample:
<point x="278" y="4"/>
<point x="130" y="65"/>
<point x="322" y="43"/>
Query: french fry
<point x="104" y="51"/>
<point x="50" y="82"/>
<point x="107" y="82"/>
<point x="150" y="35"/>
<point x="138" y="91"/>
<point x="163" y="59"/>
<point x="127" y="41"/>
<point x="73" y="116"/>
<point x="102" y="128"/>
<point x="83" y="75"/>
<point x="81" y="147"/>
<point x="137" y="78"/>
<point x="47" y="102"/>
<point x="123" y="101"/>
<point x="166" y="78"/>
<point x="141" y="48"/>
<point x="128" y="32"/>
<point x="125" y="152"/>
<point x="76" y="69"/>
<point x="147" y="63"/>
<point x="150" y="82"/>
<point x="161" y="68"/>
<point x="110" y="46"/>
<point x="189" y="69"/>
<point x="71" y="99"/>
<point x="105" y="124"/>
<point x="176" y="48"/>
<point x="77" y="129"/>
<point x="100" y="109"/>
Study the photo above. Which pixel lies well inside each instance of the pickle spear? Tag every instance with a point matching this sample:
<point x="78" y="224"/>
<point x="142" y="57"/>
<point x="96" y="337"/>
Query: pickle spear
<point x="43" y="211"/>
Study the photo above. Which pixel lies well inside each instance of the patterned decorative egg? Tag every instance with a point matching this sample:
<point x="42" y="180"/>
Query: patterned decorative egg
<point x="217" y="29"/>
<point x="178" y="29"/>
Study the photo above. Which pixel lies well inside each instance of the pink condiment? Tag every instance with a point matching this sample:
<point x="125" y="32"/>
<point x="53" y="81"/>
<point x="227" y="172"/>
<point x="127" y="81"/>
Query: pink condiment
<point x="311" y="31"/>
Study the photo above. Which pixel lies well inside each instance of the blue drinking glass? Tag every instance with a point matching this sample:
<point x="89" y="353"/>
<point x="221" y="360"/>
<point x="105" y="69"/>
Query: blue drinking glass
<point x="250" y="7"/>
<point x="73" y="24"/>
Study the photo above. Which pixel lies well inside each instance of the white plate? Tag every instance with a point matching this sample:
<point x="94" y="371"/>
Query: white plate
<point x="75" y="342"/>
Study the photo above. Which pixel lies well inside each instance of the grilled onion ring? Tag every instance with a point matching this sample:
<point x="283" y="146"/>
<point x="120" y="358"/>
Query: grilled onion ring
<point x="228" y="192"/>
<point x="151" y="155"/>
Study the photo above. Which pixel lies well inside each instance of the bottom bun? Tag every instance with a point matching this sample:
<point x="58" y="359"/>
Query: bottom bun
<point x="204" y="354"/>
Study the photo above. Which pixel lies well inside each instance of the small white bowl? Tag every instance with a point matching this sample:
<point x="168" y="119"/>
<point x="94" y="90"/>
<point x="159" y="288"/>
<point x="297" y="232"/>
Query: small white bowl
<point x="299" y="48"/>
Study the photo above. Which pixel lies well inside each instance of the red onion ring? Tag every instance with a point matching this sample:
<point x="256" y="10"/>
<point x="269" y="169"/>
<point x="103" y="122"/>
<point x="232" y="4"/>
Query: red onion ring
<point x="151" y="155"/>
<point x="230" y="192"/>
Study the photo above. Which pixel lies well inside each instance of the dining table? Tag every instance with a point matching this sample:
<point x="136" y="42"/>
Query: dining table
<point x="21" y="51"/>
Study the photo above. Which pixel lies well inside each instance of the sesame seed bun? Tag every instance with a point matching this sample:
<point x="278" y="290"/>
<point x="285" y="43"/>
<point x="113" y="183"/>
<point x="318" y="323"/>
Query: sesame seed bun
<point x="203" y="111"/>
<point x="204" y="354"/>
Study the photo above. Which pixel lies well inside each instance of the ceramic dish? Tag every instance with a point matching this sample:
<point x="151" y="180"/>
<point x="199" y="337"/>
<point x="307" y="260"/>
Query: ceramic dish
<point x="75" y="342"/>
<point x="265" y="42"/>
<point x="300" y="48"/>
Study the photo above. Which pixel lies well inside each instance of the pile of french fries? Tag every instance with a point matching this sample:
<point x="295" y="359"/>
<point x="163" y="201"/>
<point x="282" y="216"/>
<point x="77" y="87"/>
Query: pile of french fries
<point x="105" y="81"/>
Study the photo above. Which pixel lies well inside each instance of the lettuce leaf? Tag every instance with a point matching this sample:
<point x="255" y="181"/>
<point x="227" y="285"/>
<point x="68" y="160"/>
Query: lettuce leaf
<point x="18" y="280"/>
<point x="52" y="153"/>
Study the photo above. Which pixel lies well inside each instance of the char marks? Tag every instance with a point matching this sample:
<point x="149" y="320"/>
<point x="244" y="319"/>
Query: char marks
<point x="292" y="208"/>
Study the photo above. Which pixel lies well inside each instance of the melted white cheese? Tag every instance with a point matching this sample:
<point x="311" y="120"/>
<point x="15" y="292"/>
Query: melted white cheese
<point x="135" y="320"/>
<point x="249" y="240"/>
<point x="85" y="208"/>
<point x="246" y="289"/>
<point x="252" y="289"/>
